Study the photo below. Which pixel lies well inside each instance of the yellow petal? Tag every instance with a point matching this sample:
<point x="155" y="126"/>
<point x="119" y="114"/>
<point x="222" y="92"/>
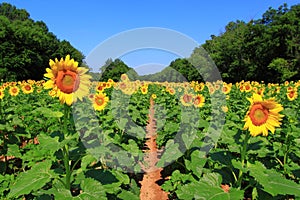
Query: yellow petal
<point x="49" y="84"/>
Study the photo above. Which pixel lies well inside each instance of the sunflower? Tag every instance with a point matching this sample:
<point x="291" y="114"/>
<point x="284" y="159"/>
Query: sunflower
<point x="199" y="100"/>
<point x="100" y="101"/>
<point x="225" y="109"/>
<point x="292" y="94"/>
<point x="27" y="88"/>
<point x="100" y="87"/>
<point x="69" y="80"/>
<point x="262" y="116"/>
<point x="226" y="88"/>
<point x="52" y="93"/>
<point x="199" y="87"/>
<point x="186" y="99"/>
<point x="171" y="90"/>
<point x="247" y="87"/>
<point x="124" y="77"/>
<point x="211" y="89"/>
<point x="1" y="94"/>
<point x="153" y="96"/>
<point x="14" y="90"/>
<point x="144" y="89"/>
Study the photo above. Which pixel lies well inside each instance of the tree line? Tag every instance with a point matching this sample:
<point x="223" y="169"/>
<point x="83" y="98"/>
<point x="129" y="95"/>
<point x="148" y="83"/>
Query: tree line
<point x="265" y="49"/>
<point x="27" y="45"/>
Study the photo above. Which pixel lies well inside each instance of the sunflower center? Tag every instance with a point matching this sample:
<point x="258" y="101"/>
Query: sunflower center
<point x="258" y="114"/>
<point x="291" y="94"/>
<point x="14" y="90"/>
<point x="27" y="87"/>
<point x="67" y="81"/>
<point x="187" y="98"/>
<point x="197" y="100"/>
<point x="99" y="101"/>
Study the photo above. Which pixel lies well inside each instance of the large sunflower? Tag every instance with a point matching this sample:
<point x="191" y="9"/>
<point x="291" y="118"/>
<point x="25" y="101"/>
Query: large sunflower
<point x="68" y="80"/>
<point x="262" y="116"/>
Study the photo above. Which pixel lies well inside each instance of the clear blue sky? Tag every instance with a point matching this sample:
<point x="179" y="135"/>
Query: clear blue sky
<point x="87" y="23"/>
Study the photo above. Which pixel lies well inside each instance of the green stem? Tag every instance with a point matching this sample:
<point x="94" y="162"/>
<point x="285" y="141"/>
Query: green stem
<point x="65" y="149"/>
<point x="1" y="114"/>
<point x="243" y="158"/>
<point x="4" y="152"/>
<point x="287" y="149"/>
<point x="234" y="175"/>
<point x="67" y="167"/>
<point x="285" y="157"/>
<point x="4" y="139"/>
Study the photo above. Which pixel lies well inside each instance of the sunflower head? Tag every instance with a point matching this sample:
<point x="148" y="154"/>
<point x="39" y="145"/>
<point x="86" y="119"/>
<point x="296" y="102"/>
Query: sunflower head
<point x="14" y="90"/>
<point x="144" y="89"/>
<point x="69" y="80"/>
<point x="153" y="96"/>
<point x="100" y="100"/>
<point x="199" y="100"/>
<point x="262" y="116"/>
<point x="27" y="88"/>
<point x="292" y="94"/>
<point x="186" y="99"/>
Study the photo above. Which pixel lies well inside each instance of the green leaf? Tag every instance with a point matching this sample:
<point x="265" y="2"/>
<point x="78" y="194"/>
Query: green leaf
<point x="31" y="180"/>
<point x="203" y="123"/>
<point x="91" y="189"/>
<point x="87" y="160"/>
<point x="188" y="138"/>
<point x="123" y="178"/>
<point x="197" y="162"/>
<point x="50" y="144"/>
<point x="134" y="188"/>
<point x="272" y="181"/>
<point x="202" y="190"/>
<point x="171" y="127"/>
<point x="171" y="153"/>
<point x="48" y="113"/>
<point x="13" y="150"/>
<point x="137" y="131"/>
<point x="128" y="195"/>
<point x="212" y="179"/>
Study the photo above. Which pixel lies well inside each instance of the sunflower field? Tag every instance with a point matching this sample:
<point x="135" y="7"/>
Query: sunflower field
<point x="67" y="137"/>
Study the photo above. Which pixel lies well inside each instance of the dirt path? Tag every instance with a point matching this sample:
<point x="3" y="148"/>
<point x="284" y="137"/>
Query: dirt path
<point x="150" y="190"/>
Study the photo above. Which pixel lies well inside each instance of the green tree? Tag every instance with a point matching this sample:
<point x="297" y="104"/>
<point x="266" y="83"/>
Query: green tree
<point x="185" y="71"/>
<point x="250" y="51"/>
<point x="26" y="46"/>
<point x="114" y="70"/>
<point x="283" y="68"/>
<point x="179" y="70"/>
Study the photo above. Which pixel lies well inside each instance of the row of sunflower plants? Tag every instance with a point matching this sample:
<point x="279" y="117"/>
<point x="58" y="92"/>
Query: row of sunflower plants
<point x="69" y="138"/>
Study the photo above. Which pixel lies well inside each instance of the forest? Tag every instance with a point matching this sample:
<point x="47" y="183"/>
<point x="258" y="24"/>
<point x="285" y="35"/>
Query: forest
<point x="265" y="49"/>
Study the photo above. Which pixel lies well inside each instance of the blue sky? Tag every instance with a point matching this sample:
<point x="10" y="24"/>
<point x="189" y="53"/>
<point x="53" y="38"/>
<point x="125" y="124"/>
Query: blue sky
<point x="86" y="24"/>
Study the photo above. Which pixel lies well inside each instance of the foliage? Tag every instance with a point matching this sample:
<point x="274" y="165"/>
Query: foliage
<point x="179" y="70"/>
<point x="106" y="148"/>
<point x="114" y="69"/>
<point x="251" y="51"/>
<point x="26" y="46"/>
